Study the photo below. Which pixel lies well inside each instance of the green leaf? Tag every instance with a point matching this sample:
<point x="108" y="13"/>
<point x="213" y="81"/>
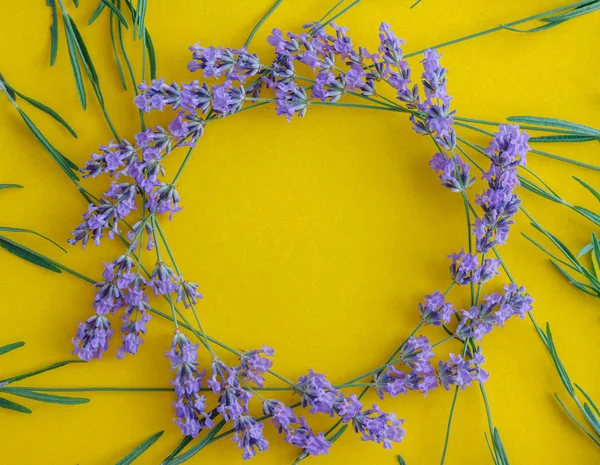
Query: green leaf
<point x="96" y="12"/>
<point x="184" y="442"/>
<point x="401" y="461"/>
<point x="557" y="362"/>
<point x="9" y="404"/>
<point x="585" y="250"/>
<point x="580" y="11"/>
<point x="590" y="435"/>
<point x="75" y="63"/>
<point x="67" y="165"/>
<point x="9" y="186"/>
<point x="499" y="448"/>
<point x="556" y="123"/>
<point x="198" y="447"/>
<point x="139" y="450"/>
<point x="566" y="160"/>
<point x="54" y="366"/>
<point x="20" y="230"/>
<point x="338" y="433"/>
<point x="10" y="347"/>
<point x="594" y="192"/>
<point x="53" y="32"/>
<point x="590" y="215"/>
<point x="563" y="248"/>
<point x="117" y="13"/>
<point x="533" y="29"/>
<point x="42" y="397"/>
<point x="116" y="53"/>
<point x="565" y="138"/>
<point x="589" y="399"/>
<point x="84" y="54"/>
<point x="27" y="254"/>
<point x="579" y="285"/>
<point x="46" y="109"/>
<point x="151" y="55"/>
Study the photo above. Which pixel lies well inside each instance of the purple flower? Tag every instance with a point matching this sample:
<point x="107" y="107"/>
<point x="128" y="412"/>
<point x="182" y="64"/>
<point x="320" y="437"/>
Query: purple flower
<point x="297" y="432"/>
<point x="253" y="365"/>
<point x="349" y="408"/>
<point x="436" y="311"/>
<point x="91" y="339"/>
<point x="190" y="407"/>
<point x="318" y="393"/>
<point x="454" y="172"/>
<point x="421" y="378"/>
<point x="507" y="151"/>
<point x="233" y="399"/>
<point x="187" y="292"/>
<point x="379" y="427"/>
<point x="434" y="76"/>
<point x="392" y="381"/>
<point x="163" y="279"/>
<point x="465" y="268"/>
<point x="478" y="321"/>
<point x="132" y="329"/>
<point x="249" y="436"/>
<point x="415" y="351"/>
<point x="390" y="46"/>
<point x="460" y="372"/>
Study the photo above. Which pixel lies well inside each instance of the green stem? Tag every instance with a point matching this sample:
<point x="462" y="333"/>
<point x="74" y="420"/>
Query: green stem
<point x="500" y="28"/>
<point x="260" y="23"/>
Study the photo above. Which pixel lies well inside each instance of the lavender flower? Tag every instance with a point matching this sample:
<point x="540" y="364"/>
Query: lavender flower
<point x="233" y="399"/>
<point x="297" y="432"/>
<point x="253" y="365"/>
<point x="190" y="407"/>
<point x="507" y="151"/>
<point x="454" y="172"/>
<point x="249" y="436"/>
<point x="91" y="339"/>
<point x="415" y="351"/>
<point x="392" y="381"/>
<point x="379" y="427"/>
<point x="460" y="372"/>
<point x="436" y="311"/>
<point x="478" y="321"/>
<point x="465" y="268"/>
<point x="318" y="393"/>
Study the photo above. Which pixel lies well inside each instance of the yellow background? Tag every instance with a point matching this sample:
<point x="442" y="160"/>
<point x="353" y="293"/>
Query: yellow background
<point x="318" y="237"/>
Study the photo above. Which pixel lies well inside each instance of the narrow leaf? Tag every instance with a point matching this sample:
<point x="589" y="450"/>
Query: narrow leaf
<point x="67" y="165"/>
<point x="565" y="138"/>
<point x="557" y="362"/>
<point x="583" y="10"/>
<point x="9" y="186"/>
<point x="594" y="192"/>
<point x="589" y="399"/>
<point x="556" y="123"/>
<point x="9" y="404"/>
<point x="27" y="254"/>
<point x="42" y="397"/>
<point x="10" y="347"/>
<point x="151" y="56"/>
<point x="46" y="109"/>
<point x="585" y="250"/>
<point x="53" y="32"/>
<point x="83" y="53"/>
<point x="116" y="53"/>
<point x="117" y="13"/>
<point x="75" y="64"/>
<point x="139" y="450"/>
<point x="19" y="230"/>
<point x="54" y="366"/>
<point x="198" y="447"/>
<point x="401" y="461"/>
<point x="96" y="12"/>
<point x="184" y="442"/>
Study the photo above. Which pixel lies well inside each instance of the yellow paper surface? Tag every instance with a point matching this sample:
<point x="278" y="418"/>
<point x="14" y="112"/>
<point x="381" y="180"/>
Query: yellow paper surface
<point x="318" y="238"/>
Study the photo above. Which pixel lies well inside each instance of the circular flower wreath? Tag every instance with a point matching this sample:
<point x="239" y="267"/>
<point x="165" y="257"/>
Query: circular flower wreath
<point x="340" y="69"/>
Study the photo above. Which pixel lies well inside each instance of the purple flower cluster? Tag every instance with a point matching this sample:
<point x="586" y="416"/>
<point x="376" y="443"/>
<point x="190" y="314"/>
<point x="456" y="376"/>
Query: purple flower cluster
<point x="248" y="433"/>
<point x="233" y="399"/>
<point x="454" y="173"/>
<point x="125" y="289"/>
<point x="373" y="424"/>
<point x="253" y="365"/>
<point x="436" y="311"/>
<point x="507" y="151"/>
<point x="121" y="289"/>
<point x="190" y="407"/>
<point x="415" y="356"/>
<point x="296" y="430"/>
<point x="496" y="308"/>
<point x="460" y="372"/>
<point x="465" y="269"/>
